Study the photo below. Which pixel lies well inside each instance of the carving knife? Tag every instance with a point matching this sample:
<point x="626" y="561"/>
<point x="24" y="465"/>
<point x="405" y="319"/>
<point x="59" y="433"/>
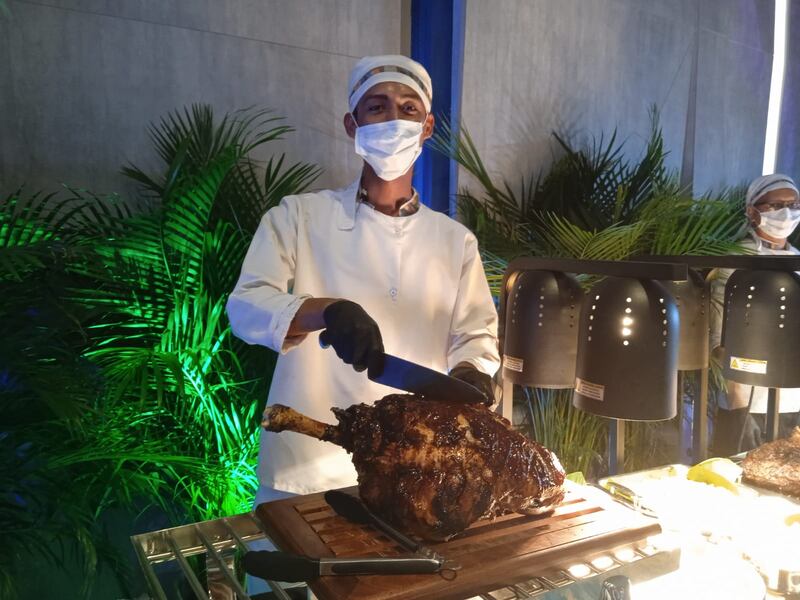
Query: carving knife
<point x="405" y="375"/>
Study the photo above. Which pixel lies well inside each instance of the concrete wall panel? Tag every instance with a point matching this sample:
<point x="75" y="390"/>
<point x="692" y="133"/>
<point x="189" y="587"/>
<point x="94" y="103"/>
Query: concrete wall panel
<point x="349" y="27"/>
<point x="83" y="78"/>
<point x="586" y="67"/>
<point x="733" y="96"/>
<point x="581" y="67"/>
<point x="746" y="22"/>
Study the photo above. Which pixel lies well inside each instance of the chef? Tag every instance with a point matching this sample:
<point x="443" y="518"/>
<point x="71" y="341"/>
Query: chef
<point x="772" y="208"/>
<point x="371" y="268"/>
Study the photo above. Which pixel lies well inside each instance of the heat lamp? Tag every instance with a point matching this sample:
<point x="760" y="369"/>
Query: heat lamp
<point x="761" y="334"/>
<point x="626" y="351"/>
<point x="692" y="298"/>
<point x="541" y="324"/>
<point x="627" y="356"/>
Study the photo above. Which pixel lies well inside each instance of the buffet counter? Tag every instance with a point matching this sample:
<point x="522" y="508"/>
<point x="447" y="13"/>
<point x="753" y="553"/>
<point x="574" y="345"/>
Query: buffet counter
<point x="654" y="532"/>
<point x="715" y="518"/>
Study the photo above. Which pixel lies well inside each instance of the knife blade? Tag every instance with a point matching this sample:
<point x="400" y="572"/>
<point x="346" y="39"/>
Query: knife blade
<point x="405" y="375"/>
<point x="408" y="376"/>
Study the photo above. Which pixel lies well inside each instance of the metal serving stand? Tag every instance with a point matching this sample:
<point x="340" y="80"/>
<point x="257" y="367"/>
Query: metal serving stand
<point x="711" y="264"/>
<point x="659" y="268"/>
<point x="672" y="268"/>
<point x="220" y="540"/>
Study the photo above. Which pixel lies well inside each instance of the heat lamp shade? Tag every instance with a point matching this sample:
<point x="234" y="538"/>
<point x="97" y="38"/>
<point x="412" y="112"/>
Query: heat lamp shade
<point x="541" y="329"/>
<point x="628" y="351"/>
<point x="692" y="299"/>
<point x="761" y="329"/>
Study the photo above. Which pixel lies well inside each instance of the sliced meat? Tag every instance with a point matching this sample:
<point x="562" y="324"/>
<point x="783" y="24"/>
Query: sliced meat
<point x="775" y="465"/>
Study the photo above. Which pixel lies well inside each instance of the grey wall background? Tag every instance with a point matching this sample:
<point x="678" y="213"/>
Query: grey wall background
<point x="584" y="67"/>
<point x="81" y="79"/>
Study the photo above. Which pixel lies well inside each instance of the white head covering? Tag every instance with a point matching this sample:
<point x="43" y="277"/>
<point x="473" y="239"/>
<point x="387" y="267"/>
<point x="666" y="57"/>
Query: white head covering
<point x="372" y="70"/>
<point x="767" y="183"/>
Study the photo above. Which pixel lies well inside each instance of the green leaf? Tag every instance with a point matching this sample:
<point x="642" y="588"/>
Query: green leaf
<point x="118" y="345"/>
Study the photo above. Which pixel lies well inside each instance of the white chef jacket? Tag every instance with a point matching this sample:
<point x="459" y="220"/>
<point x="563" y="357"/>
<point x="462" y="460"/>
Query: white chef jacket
<point x="419" y="276"/>
<point x="738" y="393"/>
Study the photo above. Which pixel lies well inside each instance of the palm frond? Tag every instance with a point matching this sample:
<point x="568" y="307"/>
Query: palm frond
<point x="193" y="139"/>
<point x="247" y="194"/>
<point x="558" y="236"/>
<point x="29" y="233"/>
<point x="575" y="436"/>
<point x="684" y="225"/>
<point x="119" y="348"/>
<point x="460" y="147"/>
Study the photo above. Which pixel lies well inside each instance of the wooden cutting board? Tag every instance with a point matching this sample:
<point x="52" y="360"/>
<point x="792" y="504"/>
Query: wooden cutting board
<point x="510" y="549"/>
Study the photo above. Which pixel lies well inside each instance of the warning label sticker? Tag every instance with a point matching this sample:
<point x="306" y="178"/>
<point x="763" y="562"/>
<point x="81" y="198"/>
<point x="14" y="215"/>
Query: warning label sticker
<point x="748" y="364"/>
<point x="595" y="391"/>
<point x="513" y="363"/>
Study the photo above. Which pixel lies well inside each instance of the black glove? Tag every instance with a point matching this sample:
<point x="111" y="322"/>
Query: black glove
<point x="475" y="378"/>
<point x="354" y="335"/>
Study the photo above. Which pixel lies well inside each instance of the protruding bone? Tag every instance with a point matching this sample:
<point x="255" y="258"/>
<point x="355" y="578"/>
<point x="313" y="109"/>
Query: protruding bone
<point x="278" y="417"/>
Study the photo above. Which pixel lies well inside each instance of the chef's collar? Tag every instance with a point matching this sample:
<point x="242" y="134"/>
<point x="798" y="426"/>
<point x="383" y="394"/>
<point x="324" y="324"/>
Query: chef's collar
<point x="408" y="208"/>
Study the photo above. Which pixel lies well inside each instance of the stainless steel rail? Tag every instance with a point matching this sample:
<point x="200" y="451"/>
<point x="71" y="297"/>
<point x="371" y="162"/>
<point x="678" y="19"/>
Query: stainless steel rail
<point x="277" y="590"/>
<point x="197" y="588"/>
<point x="219" y="540"/>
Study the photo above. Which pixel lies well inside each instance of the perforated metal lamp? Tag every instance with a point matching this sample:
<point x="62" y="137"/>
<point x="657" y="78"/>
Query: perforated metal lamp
<point x="541" y="324"/>
<point x="614" y="398"/>
<point x="692" y="301"/>
<point x="760" y="330"/>
<point x="628" y="351"/>
<point x="627" y="357"/>
<point x="751" y="263"/>
<point x="760" y="334"/>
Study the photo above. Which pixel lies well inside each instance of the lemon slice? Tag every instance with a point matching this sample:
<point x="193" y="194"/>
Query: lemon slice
<point x="792" y="519"/>
<point x="724" y="466"/>
<point x="721" y="472"/>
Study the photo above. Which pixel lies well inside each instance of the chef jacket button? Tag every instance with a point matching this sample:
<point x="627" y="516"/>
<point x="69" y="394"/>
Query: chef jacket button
<point x="397" y="230"/>
<point x="393" y="292"/>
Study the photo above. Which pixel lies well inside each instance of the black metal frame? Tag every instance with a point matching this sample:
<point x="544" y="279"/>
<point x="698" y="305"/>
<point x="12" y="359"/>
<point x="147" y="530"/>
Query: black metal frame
<point x="673" y="268"/>
<point x="751" y="262"/>
<point x="739" y="262"/>
<point x="651" y="269"/>
<point x="612" y="268"/>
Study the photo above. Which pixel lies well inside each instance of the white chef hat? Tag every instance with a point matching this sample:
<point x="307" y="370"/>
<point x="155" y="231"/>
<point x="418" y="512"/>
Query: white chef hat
<point x="767" y="183"/>
<point x="372" y="70"/>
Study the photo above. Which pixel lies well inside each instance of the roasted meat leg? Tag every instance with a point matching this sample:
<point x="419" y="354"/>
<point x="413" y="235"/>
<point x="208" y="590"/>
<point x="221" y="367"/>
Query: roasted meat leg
<point x="433" y="468"/>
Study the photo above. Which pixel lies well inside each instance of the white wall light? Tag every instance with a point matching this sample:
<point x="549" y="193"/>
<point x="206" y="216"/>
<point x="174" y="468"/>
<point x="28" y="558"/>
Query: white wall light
<point x="775" y="88"/>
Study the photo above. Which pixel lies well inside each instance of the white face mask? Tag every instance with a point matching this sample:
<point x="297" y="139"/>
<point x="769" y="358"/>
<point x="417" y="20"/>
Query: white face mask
<point x="390" y="147"/>
<point x="780" y="223"/>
